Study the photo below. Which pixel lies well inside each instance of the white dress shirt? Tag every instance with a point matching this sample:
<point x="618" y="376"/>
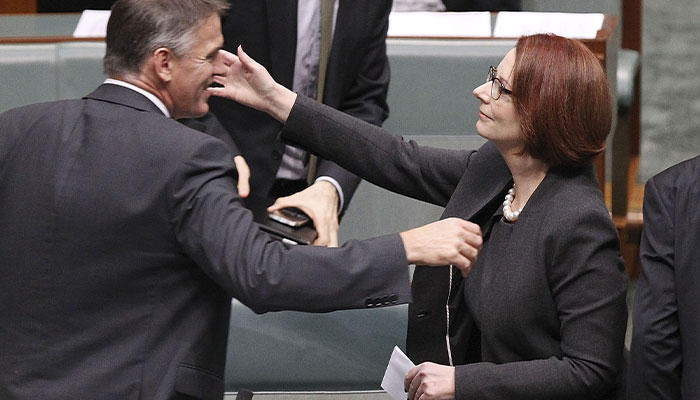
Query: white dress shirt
<point x="306" y="82"/>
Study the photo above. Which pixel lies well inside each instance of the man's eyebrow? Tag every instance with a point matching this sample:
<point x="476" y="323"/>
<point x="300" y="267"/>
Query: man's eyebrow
<point x="215" y="51"/>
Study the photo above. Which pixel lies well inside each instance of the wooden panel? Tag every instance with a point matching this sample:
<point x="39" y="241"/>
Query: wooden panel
<point x="632" y="39"/>
<point x="17" y="6"/>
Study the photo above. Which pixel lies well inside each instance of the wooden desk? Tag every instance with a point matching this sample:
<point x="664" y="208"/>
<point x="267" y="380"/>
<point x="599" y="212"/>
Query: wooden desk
<point x="40" y="28"/>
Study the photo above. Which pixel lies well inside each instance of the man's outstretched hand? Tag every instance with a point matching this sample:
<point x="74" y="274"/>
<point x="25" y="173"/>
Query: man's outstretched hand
<point x="451" y="241"/>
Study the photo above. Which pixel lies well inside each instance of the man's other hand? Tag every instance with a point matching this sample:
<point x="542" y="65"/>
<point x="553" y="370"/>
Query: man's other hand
<point x="320" y="202"/>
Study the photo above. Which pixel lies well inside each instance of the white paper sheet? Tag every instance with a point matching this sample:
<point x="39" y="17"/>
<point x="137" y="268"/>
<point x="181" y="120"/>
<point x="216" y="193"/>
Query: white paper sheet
<point x="396" y="370"/>
<point x="92" y="23"/>
<point x="439" y="24"/>
<point x="571" y="25"/>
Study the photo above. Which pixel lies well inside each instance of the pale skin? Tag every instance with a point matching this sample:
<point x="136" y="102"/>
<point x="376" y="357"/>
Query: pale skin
<point x="249" y="83"/>
<point x="181" y="82"/>
<point x="320" y="202"/>
<point x="450" y="241"/>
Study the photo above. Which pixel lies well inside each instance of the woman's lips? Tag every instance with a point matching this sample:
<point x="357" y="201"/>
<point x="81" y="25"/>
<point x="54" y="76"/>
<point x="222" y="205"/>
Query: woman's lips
<point x="483" y="116"/>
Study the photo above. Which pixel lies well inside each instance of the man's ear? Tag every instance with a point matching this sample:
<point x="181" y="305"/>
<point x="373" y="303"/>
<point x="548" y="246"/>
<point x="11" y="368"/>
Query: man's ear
<point x="162" y="59"/>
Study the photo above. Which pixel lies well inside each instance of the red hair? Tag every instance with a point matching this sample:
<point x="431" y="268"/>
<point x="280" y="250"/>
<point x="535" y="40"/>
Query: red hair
<point x="562" y="99"/>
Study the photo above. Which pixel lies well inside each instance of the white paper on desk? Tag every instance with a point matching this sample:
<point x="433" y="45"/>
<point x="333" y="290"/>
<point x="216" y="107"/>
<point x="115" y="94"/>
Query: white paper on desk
<point x="395" y="374"/>
<point x="92" y="23"/>
<point x="571" y="25"/>
<point x="439" y="24"/>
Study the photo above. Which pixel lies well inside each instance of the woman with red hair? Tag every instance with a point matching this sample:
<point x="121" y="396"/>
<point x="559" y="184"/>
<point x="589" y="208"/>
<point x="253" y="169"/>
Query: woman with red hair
<point x="542" y="312"/>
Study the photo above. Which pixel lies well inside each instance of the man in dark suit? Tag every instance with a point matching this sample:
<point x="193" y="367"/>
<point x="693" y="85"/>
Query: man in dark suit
<point x="122" y="237"/>
<point x="665" y="352"/>
<point x="276" y="33"/>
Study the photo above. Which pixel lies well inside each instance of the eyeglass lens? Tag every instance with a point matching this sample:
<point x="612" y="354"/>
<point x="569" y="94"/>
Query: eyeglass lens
<point x="496" y="85"/>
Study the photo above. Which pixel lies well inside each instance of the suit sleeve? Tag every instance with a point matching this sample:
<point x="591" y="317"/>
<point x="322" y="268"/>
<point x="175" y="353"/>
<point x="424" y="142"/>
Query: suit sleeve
<point x="366" y="97"/>
<point x="655" y="357"/>
<point x="588" y="285"/>
<point x="404" y="167"/>
<point x="219" y="234"/>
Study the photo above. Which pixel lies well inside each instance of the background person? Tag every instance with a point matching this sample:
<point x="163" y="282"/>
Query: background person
<point x="542" y="313"/>
<point x="285" y="36"/>
<point x="665" y="351"/>
<point x="122" y="237"/>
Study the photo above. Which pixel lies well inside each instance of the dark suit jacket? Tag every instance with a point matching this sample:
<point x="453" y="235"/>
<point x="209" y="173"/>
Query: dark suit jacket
<point x="547" y="317"/>
<point x="122" y="241"/>
<point x="482" y="5"/>
<point x="665" y="353"/>
<point x="357" y="79"/>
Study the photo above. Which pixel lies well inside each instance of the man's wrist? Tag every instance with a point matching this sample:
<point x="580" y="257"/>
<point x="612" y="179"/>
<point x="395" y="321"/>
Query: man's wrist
<point x="336" y="186"/>
<point x="408" y="240"/>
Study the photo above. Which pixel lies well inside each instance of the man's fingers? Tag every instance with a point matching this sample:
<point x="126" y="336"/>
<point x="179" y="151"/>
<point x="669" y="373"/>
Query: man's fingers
<point x="333" y="239"/>
<point x="243" y="188"/>
<point x="243" y="176"/>
<point x="327" y="233"/>
<point x="321" y="238"/>
<point x="282" y="202"/>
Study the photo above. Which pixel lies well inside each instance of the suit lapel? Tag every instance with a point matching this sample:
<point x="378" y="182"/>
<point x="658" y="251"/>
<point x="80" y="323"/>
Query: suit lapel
<point x="488" y="180"/>
<point x="342" y="36"/>
<point x="282" y="31"/>
<point x="344" y="18"/>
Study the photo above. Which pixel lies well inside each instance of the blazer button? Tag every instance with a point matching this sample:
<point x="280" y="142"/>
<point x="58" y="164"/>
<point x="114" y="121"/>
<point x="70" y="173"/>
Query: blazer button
<point x="369" y="303"/>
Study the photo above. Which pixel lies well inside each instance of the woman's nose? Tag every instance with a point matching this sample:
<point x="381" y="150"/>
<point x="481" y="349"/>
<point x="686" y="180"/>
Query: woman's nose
<point x="483" y="92"/>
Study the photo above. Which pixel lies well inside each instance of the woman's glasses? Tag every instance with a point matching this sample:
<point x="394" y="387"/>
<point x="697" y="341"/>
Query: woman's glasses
<point x="497" y="87"/>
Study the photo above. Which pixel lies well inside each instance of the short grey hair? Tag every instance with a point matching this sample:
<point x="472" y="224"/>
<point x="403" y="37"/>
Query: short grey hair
<point x="136" y="28"/>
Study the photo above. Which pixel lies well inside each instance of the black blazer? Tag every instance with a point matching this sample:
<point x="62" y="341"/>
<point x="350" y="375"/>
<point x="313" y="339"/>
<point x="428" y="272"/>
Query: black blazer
<point x="665" y="352"/>
<point x="357" y="79"/>
<point x="546" y="318"/>
<point x="122" y="241"/>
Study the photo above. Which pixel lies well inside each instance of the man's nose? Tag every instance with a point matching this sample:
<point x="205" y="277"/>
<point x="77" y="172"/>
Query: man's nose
<point x="220" y="67"/>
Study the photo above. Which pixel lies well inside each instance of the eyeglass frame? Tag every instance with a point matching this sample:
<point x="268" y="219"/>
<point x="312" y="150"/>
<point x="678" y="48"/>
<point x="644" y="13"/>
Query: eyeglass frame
<point x="493" y="78"/>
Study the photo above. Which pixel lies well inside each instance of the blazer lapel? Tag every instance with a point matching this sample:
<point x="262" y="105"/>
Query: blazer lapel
<point x="485" y="185"/>
<point x="282" y="32"/>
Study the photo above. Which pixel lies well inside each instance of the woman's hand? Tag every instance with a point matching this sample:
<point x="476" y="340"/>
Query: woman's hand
<point x="430" y="381"/>
<point x="249" y="83"/>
